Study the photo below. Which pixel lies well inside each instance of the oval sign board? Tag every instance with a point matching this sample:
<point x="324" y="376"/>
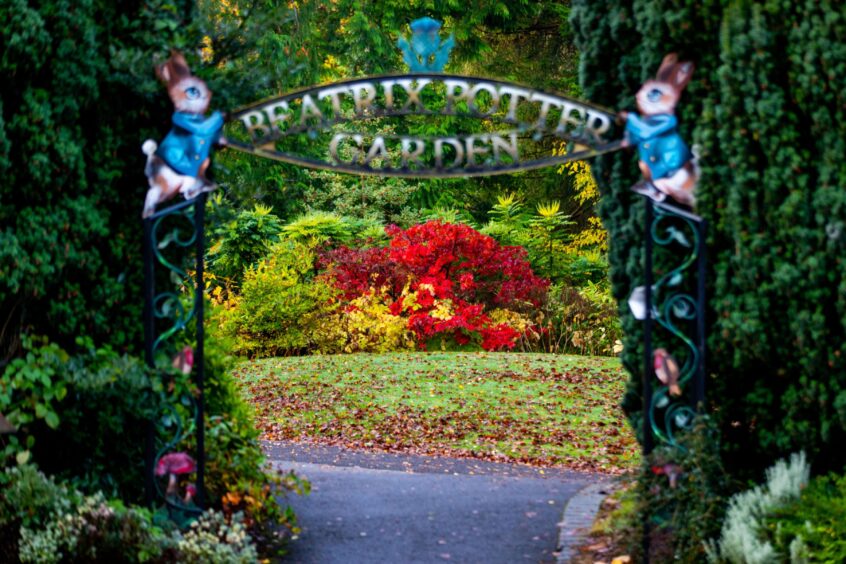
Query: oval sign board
<point x="392" y="126"/>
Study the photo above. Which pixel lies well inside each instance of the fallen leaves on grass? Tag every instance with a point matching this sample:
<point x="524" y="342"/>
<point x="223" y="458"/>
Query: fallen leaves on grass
<point x="542" y="410"/>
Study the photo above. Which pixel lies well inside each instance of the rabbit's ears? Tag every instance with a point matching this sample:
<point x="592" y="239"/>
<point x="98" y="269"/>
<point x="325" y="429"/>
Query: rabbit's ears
<point x="674" y="72"/>
<point x="174" y="69"/>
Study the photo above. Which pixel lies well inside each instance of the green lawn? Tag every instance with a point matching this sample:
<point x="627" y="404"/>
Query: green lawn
<point x="548" y="410"/>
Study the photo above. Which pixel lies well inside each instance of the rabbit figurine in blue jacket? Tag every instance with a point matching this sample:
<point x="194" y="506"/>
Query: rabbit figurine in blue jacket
<point x="180" y="163"/>
<point x="667" y="164"/>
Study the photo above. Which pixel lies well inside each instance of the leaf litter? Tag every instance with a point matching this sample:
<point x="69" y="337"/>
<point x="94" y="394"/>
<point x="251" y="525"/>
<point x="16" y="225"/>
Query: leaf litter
<point x="542" y="410"/>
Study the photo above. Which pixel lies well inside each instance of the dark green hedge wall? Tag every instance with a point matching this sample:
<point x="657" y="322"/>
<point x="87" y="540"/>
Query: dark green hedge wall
<point x="78" y="96"/>
<point x="767" y="107"/>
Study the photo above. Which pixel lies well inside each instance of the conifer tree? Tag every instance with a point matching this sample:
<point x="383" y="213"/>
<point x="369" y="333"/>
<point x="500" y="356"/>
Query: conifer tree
<point x="766" y="107"/>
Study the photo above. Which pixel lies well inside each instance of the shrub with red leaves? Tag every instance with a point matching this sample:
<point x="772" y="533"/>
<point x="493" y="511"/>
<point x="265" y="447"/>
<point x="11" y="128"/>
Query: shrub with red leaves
<point x="445" y="278"/>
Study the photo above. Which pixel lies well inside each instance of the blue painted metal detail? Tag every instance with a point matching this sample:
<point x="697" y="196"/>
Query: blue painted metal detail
<point x="168" y="313"/>
<point x="426" y="52"/>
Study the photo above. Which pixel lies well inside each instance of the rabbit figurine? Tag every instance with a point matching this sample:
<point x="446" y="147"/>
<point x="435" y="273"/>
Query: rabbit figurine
<point x="667" y="164"/>
<point x="180" y="163"/>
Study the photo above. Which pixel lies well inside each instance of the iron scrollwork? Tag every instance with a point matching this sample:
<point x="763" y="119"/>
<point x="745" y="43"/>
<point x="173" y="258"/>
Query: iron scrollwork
<point x="676" y="303"/>
<point x="173" y="231"/>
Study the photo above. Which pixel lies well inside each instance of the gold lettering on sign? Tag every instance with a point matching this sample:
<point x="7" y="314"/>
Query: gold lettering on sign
<point x="439" y="152"/>
<point x="388" y="92"/>
<point x="336" y="140"/>
<point x="473" y="150"/>
<point x="413" y="93"/>
<point x="377" y="151"/>
<point x="410" y="155"/>
<point x="597" y="123"/>
<point x="546" y="103"/>
<point x="514" y="96"/>
<point x="567" y="118"/>
<point x="510" y="148"/>
<point x="334" y="95"/>
<point x="530" y="113"/>
<point x="309" y="110"/>
<point x="453" y="89"/>
<point x="277" y="113"/>
<point x="363" y="94"/>
<point x="474" y="94"/>
<point x="253" y="122"/>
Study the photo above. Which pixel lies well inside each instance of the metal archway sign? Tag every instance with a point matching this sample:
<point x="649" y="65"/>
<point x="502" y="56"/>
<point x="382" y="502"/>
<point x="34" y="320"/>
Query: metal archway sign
<point x="372" y="126"/>
<point x="328" y="116"/>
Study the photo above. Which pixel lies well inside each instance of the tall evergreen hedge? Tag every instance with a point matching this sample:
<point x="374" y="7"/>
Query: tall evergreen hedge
<point x="767" y="108"/>
<point x="78" y="96"/>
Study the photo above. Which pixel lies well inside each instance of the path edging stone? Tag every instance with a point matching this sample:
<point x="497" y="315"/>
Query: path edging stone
<point x="578" y="517"/>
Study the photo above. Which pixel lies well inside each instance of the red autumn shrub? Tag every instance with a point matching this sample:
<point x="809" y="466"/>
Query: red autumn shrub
<point x="355" y="271"/>
<point x="445" y="278"/>
<point x="472" y="266"/>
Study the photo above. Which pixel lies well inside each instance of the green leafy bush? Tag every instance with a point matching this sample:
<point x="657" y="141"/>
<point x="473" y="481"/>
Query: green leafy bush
<point x="316" y="227"/>
<point x="213" y="538"/>
<point x="742" y="539"/>
<point x="242" y="242"/>
<point x="30" y="391"/>
<point x="28" y="497"/>
<point x="96" y="530"/>
<point x="812" y="527"/>
<point x="280" y="303"/>
<point x="547" y="239"/>
<point x="682" y="492"/>
<point x="386" y="200"/>
<point x="83" y="417"/>
<point x="46" y="522"/>
<point x="580" y="321"/>
<point x="240" y="482"/>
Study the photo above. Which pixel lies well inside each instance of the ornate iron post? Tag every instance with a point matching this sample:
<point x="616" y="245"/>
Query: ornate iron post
<point x="680" y="313"/>
<point x="165" y="315"/>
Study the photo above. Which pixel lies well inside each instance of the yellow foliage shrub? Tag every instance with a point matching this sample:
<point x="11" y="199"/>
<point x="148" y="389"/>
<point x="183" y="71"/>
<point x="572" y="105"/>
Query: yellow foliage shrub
<point x="519" y="322"/>
<point x="366" y="325"/>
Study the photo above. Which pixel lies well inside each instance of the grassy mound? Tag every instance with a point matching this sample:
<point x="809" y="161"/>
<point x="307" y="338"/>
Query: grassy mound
<point x="544" y="410"/>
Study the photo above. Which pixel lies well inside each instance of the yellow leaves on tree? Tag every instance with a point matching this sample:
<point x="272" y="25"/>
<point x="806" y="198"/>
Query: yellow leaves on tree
<point x="594" y="238"/>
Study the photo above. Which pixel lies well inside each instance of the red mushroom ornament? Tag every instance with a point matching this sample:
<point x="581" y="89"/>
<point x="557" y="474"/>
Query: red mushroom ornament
<point x="175" y="464"/>
<point x="190" y="494"/>
<point x="667" y="370"/>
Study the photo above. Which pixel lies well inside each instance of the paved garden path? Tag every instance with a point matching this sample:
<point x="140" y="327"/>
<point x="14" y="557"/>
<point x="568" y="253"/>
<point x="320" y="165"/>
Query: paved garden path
<point x="385" y="508"/>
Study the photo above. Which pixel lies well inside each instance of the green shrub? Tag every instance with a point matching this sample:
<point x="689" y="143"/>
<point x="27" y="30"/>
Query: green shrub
<point x="280" y="303"/>
<point x="96" y="530"/>
<point x="30" y="391"/>
<point x="579" y="321"/>
<point x="386" y="200"/>
<point x="237" y="477"/>
<point x="318" y="227"/>
<point x="45" y="522"/>
<point x="813" y="526"/>
<point x="743" y="539"/>
<point x="28" y="497"/>
<point x="546" y="237"/>
<point x="241" y="243"/>
<point x="240" y="482"/>
<point x="84" y="417"/>
<point x="213" y="538"/>
<point x="683" y="491"/>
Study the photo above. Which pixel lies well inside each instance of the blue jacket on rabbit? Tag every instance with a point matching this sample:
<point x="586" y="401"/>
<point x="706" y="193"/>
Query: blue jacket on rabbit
<point x="189" y="142"/>
<point x="658" y="143"/>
